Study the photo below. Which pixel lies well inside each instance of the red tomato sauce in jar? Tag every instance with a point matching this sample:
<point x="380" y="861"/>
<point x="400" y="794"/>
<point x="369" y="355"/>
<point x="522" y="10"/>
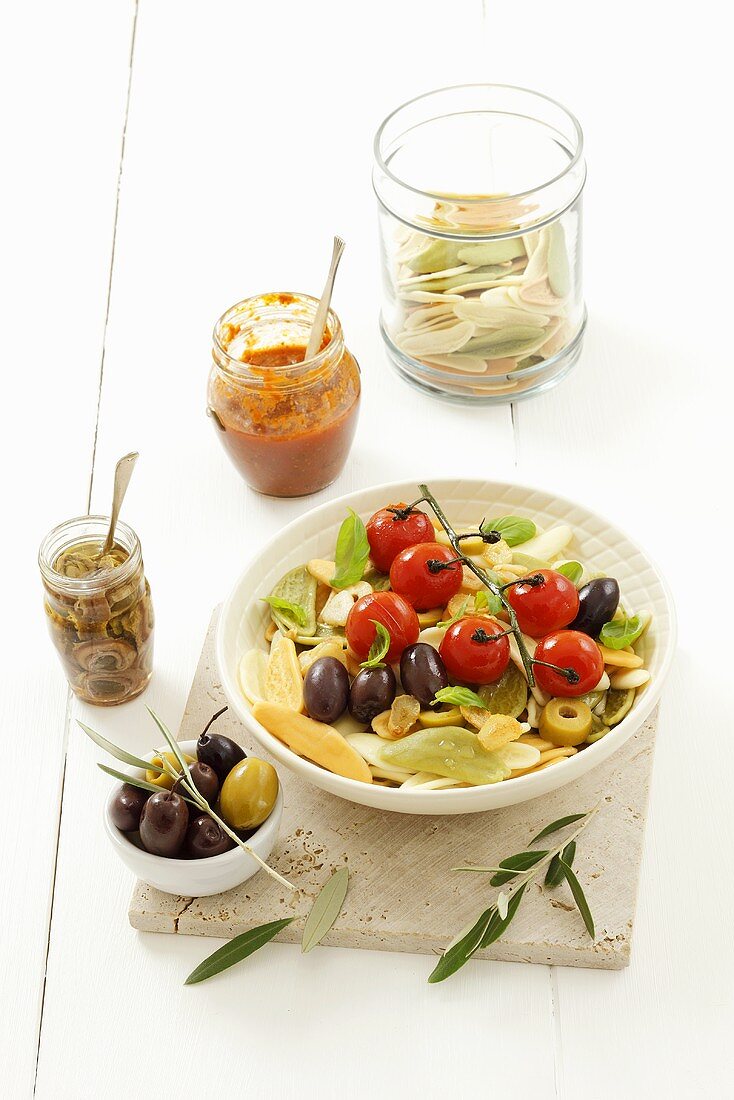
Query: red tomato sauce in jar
<point x="286" y="424"/>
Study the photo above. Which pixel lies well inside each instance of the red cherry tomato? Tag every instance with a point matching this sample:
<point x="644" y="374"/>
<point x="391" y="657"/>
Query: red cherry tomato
<point x="389" y="532"/>
<point x="568" y="649"/>
<point x="395" y="614"/>
<point x="423" y="575"/>
<point x="544" y="607"/>
<point x="472" y="651"/>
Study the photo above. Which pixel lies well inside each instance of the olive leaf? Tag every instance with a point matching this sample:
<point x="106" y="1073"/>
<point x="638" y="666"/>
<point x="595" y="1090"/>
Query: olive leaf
<point x="325" y="909"/>
<point x="513" y="529"/>
<point x="379" y="648"/>
<point x="131" y="779"/>
<point x="294" y="610"/>
<point x="554" y="875"/>
<point x="579" y="897"/>
<point x="621" y="632"/>
<point x="498" y="924"/>
<point x="461" y="951"/>
<point x="352" y="551"/>
<point x="460" y="697"/>
<point x="574" y="570"/>
<point x="236" y="950"/>
<point x="554" y="826"/>
<point x="118" y="753"/>
<point x="511" y="866"/>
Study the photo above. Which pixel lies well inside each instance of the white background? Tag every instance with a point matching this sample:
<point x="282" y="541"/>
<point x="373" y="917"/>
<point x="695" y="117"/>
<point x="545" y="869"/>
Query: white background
<point x="136" y="203"/>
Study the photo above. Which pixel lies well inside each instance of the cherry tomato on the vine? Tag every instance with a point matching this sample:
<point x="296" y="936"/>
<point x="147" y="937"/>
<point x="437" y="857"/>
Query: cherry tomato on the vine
<point x="395" y="614"/>
<point x="427" y="575"/>
<point x="543" y="607"/>
<point x="393" y="529"/>
<point x="568" y="649"/>
<point x="475" y="650"/>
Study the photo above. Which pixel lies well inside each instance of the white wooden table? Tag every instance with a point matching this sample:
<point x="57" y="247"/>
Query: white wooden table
<point x="159" y="165"/>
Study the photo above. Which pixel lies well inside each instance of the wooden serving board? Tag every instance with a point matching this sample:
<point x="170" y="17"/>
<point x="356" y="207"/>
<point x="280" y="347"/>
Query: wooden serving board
<point x="403" y="895"/>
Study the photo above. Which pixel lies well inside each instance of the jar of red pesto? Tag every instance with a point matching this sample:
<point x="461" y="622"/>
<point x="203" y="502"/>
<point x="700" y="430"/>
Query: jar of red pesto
<point x="286" y="422"/>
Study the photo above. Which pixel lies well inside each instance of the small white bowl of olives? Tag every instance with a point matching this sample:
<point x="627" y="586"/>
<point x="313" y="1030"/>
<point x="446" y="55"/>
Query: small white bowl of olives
<point x="144" y="827"/>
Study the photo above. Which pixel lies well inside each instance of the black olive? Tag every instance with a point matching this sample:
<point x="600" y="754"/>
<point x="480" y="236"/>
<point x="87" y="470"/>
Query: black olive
<point x="205" y="780"/>
<point x="422" y="672"/>
<point x="127" y="806"/>
<point x="163" y="823"/>
<point x="598" y="600"/>
<point x="220" y="753"/>
<point x="373" y="690"/>
<point x="206" y="837"/>
<point x="326" y="689"/>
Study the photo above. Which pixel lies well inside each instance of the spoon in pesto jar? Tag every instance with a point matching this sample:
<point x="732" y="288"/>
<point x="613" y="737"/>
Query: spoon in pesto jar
<point x="322" y="310"/>
<point x="123" y="473"/>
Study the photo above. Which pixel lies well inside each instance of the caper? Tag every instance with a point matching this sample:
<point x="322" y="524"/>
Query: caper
<point x="565" y="722"/>
<point x="248" y="793"/>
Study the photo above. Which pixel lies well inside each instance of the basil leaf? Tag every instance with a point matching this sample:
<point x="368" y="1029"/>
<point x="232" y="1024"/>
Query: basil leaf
<point x="554" y="875"/>
<point x="514" y="529"/>
<point x="296" y="612"/>
<point x="554" y="826"/>
<point x="481" y="600"/>
<point x="325" y="909"/>
<point x="236" y="950"/>
<point x="574" y="570"/>
<point x="460" y="697"/>
<point x="621" y="632"/>
<point x="523" y="861"/>
<point x="352" y="551"/>
<point x="579" y="897"/>
<point x="379" y="648"/>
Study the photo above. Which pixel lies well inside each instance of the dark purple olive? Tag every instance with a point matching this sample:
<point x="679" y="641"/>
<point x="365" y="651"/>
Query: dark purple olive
<point x="326" y="689"/>
<point x="205" y="837"/>
<point x="373" y="690"/>
<point x="127" y="806"/>
<point x="220" y="753"/>
<point x="205" y="781"/>
<point x="598" y="600"/>
<point x="422" y="672"/>
<point x="163" y="823"/>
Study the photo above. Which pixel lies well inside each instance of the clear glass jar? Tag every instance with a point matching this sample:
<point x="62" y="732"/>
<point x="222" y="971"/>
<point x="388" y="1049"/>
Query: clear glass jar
<point x="286" y="423"/>
<point x="479" y="190"/>
<point x="99" y="611"/>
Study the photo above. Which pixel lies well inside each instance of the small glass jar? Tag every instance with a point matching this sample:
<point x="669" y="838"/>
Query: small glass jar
<point x="479" y="190"/>
<point x="286" y="423"/>
<point x="98" y="609"/>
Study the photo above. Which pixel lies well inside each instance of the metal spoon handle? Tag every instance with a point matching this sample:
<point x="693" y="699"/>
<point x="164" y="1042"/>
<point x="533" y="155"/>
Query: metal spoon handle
<point x="123" y="473"/>
<point x="322" y="310"/>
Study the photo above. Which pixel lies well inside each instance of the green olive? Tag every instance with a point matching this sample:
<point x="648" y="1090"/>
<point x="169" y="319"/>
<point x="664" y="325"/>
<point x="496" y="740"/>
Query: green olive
<point x="248" y="793"/>
<point x="565" y="722"/>
<point x="163" y="779"/>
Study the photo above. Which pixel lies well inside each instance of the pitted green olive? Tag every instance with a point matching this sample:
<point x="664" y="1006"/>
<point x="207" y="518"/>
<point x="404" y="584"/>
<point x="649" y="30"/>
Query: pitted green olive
<point x="248" y="794"/>
<point x="565" y="722"/>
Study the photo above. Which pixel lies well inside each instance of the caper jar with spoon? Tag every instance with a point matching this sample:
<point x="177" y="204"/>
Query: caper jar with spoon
<point x="97" y="603"/>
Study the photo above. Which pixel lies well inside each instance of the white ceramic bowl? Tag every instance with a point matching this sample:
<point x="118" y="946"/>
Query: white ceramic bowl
<point x="599" y="544"/>
<point x="195" y="878"/>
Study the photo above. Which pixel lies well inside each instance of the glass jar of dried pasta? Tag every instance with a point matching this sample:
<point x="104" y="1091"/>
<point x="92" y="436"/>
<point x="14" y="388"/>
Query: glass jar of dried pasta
<point x="479" y="190"/>
<point x="98" y="609"/>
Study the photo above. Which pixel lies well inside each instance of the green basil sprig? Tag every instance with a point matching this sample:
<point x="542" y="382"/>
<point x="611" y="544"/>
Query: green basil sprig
<point x="621" y="632"/>
<point x="514" y="529"/>
<point x="294" y="610"/>
<point x="379" y="648"/>
<point x="460" y="697"/>
<point x="574" y="570"/>
<point x="352" y="551"/>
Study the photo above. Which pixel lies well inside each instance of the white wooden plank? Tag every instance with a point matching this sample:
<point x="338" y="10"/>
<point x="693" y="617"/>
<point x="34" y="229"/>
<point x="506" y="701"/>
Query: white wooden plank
<point x="642" y="432"/>
<point x="63" y="81"/>
<point x="221" y="197"/>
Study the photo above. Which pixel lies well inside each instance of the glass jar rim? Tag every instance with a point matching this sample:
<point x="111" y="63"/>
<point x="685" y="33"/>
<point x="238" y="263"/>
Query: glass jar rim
<point x="485" y="200"/>
<point x="52" y="545"/>
<point x="316" y="365"/>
